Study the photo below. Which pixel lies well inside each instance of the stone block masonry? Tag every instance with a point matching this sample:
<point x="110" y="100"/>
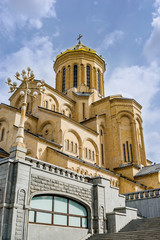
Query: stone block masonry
<point x="42" y="184"/>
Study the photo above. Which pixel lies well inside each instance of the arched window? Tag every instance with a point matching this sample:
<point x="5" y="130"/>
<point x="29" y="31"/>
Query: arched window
<point x="75" y="76"/>
<point x="98" y="79"/>
<point x="63" y="79"/>
<point x="88" y="76"/>
<point x="57" y="210"/>
<point x="2" y="134"/>
<point x="53" y="107"/>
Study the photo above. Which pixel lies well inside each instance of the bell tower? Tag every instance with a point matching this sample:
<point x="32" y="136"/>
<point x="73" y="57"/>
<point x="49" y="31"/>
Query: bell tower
<point x="81" y="69"/>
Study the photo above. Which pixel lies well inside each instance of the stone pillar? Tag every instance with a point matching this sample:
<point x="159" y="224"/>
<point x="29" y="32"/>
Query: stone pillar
<point x="15" y="193"/>
<point x="71" y="76"/>
<point x="99" y="221"/>
<point x="83" y="74"/>
<point x="103" y="85"/>
<point x="120" y="141"/>
<point x="91" y="78"/>
<point x="136" y="156"/>
<point x="79" y="80"/>
<point x="67" y="80"/>
<point x="59" y="81"/>
<point x="100" y="82"/>
<point x="95" y="78"/>
<point x="144" y="160"/>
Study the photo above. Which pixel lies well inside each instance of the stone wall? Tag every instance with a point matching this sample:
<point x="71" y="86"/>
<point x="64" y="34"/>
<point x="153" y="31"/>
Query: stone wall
<point x="147" y="202"/>
<point x="41" y="183"/>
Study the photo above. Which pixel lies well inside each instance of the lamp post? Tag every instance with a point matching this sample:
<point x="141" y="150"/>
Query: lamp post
<point x="26" y="87"/>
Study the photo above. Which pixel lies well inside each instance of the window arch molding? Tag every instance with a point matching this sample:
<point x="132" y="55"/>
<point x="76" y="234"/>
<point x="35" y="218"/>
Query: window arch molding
<point x="70" y="197"/>
<point x="127" y="114"/>
<point x="4" y="126"/>
<point x="55" y="100"/>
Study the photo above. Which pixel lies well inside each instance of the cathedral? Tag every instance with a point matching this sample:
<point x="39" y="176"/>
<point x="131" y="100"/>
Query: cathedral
<point x="76" y="140"/>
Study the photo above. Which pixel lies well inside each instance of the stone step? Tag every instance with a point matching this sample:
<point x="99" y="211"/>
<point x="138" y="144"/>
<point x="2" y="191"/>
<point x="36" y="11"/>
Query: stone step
<point x="142" y="224"/>
<point x="139" y="229"/>
<point x="134" y="235"/>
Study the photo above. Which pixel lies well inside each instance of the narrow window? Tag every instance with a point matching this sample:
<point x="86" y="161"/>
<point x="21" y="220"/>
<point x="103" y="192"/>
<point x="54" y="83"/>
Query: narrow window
<point x="93" y="155"/>
<point x="63" y="79"/>
<point x="69" y="115"/>
<point x="83" y="107"/>
<point x="128" y="151"/>
<point x="53" y="107"/>
<point x="67" y="144"/>
<point x="85" y="152"/>
<point x="131" y="152"/>
<point x="124" y="152"/>
<point x="101" y="132"/>
<point x="89" y="153"/>
<point x="88" y="76"/>
<point x="102" y="154"/>
<point x="46" y="104"/>
<point x="71" y="146"/>
<point x="75" y="147"/>
<point x="2" y="135"/>
<point x="27" y="107"/>
<point x="63" y="112"/>
<point x="98" y="78"/>
<point x="75" y="76"/>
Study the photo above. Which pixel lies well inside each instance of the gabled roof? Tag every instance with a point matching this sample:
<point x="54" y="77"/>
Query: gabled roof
<point x="148" y="170"/>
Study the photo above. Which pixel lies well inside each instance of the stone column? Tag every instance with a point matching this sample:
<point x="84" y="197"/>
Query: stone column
<point x="100" y="82"/>
<point x="136" y="156"/>
<point x="15" y="195"/>
<point x="79" y="73"/>
<point x="95" y="78"/>
<point x="144" y="161"/>
<point x="99" y="221"/>
<point x="120" y="141"/>
<point x="60" y="81"/>
<point x="91" y="78"/>
<point x="103" y="85"/>
<point x="67" y="80"/>
<point x="83" y="73"/>
<point x="71" y="76"/>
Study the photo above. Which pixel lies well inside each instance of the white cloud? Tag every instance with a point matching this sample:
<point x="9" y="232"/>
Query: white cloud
<point x="152" y="145"/>
<point x="37" y="53"/>
<point x="151" y="48"/>
<point x="110" y="40"/>
<point x="21" y="13"/>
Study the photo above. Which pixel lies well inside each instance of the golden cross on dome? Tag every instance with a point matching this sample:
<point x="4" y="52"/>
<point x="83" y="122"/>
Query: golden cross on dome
<point x="79" y="37"/>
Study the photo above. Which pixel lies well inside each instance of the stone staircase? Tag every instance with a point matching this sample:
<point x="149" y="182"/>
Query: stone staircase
<point x="140" y="229"/>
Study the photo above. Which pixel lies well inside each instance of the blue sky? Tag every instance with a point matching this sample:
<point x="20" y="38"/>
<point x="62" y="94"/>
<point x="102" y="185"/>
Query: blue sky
<point x="125" y="32"/>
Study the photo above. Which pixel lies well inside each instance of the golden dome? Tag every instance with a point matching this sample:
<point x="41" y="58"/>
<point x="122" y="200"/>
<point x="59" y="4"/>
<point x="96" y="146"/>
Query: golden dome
<point x="78" y="47"/>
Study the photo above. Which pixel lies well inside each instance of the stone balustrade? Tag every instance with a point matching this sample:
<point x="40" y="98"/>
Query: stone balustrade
<point x="56" y="169"/>
<point x="150" y="193"/>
